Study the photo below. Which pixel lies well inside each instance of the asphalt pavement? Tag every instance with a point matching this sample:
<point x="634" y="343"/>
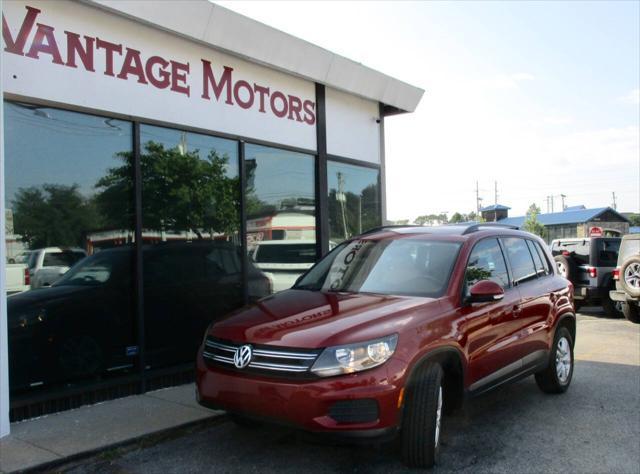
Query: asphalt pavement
<point x="593" y="428"/>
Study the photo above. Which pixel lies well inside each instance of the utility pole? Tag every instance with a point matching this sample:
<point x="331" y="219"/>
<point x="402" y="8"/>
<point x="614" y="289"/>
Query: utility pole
<point x="548" y="204"/>
<point x="495" y="193"/>
<point x="615" y="206"/>
<point x="342" y="199"/>
<point x="551" y="202"/>
<point x="478" y="199"/>
<point x="563" y="196"/>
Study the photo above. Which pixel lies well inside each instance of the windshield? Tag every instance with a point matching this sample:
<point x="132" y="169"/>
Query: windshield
<point x="286" y="253"/>
<point x="64" y="258"/>
<point x="96" y="270"/>
<point x="413" y="267"/>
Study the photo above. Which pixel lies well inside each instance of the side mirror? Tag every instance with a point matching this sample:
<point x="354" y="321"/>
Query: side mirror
<point x="485" y="291"/>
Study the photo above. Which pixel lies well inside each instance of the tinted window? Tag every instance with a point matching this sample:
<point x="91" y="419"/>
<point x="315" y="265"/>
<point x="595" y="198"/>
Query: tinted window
<point x="578" y="250"/>
<point x="606" y="252"/>
<point x="286" y="253"/>
<point x="486" y="262"/>
<point x="543" y="256"/>
<point x="280" y="197"/>
<point x="520" y="259"/>
<point x="540" y="268"/>
<point x="190" y="215"/>
<point x="398" y="267"/>
<point x="62" y="259"/>
<point x="354" y="200"/>
<point x="69" y="184"/>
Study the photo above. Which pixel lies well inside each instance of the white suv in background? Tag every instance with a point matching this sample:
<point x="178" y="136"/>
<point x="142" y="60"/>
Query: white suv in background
<point x="283" y="261"/>
<point x="47" y="265"/>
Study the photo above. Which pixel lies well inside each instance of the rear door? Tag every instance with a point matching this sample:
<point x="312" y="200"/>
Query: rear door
<point x="532" y="279"/>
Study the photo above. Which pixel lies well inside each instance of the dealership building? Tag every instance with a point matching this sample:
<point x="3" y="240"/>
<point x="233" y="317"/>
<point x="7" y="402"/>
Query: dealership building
<point x="164" y="163"/>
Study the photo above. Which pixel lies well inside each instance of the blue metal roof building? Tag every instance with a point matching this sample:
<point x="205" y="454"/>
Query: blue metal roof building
<point x="577" y="222"/>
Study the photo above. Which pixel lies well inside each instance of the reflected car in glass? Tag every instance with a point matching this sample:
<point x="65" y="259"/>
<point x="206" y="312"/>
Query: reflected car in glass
<point x="283" y="261"/>
<point x="391" y="329"/>
<point x="47" y="265"/>
<point x="82" y="325"/>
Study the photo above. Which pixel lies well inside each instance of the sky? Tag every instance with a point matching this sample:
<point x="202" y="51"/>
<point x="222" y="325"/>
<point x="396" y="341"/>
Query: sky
<point x="541" y="97"/>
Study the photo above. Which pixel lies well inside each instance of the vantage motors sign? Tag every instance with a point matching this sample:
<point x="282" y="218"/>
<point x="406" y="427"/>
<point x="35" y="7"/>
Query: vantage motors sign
<point x="69" y="53"/>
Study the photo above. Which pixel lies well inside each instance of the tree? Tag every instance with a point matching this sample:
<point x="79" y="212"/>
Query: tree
<point x="180" y="191"/>
<point x="53" y="215"/>
<point x="531" y="223"/>
<point x="431" y="219"/>
<point x="634" y="219"/>
<point x="457" y="218"/>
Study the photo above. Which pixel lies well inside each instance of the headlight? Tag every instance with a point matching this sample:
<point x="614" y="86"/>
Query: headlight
<point x="354" y="357"/>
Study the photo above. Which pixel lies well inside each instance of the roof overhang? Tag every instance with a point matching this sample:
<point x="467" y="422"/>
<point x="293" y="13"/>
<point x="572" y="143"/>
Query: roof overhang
<point x="232" y="33"/>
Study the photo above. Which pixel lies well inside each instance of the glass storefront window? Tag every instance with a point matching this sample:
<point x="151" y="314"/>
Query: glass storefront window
<point x="192" y="259"/>
<point x="354" y="200"/>
<point x="281" y="210"/>
<point x="69" y="233"/>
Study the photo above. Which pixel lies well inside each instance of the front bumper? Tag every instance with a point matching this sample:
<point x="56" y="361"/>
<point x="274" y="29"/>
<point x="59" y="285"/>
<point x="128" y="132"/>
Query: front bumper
<point x="306" y="404"/>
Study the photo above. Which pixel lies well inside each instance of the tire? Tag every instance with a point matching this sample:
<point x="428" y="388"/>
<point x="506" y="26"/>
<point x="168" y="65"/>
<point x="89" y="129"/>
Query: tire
<point x="565" y="266"/>
<point x="631" y="311"/>
<point x="556" y="377"/>
<point x="612" y="309"/>
<point x="630" y="276"/>
<point x="422" y="418"/>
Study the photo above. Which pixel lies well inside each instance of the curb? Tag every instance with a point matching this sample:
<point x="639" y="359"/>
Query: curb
<point x="77" y="459"/>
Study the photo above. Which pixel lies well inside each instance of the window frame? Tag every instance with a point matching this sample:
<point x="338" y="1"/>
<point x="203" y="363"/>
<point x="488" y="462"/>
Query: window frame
<point x="463" y="286"/>
<point x="520" y="282"/>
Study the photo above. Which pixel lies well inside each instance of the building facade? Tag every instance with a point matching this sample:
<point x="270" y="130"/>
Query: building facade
<point x="148" y="148"/>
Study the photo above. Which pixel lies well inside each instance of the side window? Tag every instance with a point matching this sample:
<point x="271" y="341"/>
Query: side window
<point x="520" y="258"/>
<point x="487" y="263"/>
<point x="543" y="256"/>
<point x="540" y="270"/>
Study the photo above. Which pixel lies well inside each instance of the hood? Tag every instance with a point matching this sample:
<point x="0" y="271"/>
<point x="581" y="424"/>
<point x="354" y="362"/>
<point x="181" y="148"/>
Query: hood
<point x="314" y="319"/>
<point x="45" y="296"/>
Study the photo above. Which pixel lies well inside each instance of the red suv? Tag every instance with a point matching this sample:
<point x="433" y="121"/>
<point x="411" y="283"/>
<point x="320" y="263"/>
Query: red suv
<point x="390" y="329"/>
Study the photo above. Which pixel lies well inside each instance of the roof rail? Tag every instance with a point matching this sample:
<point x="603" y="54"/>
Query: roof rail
<point x="477" y="227"/>
<point x="385" y="227"/>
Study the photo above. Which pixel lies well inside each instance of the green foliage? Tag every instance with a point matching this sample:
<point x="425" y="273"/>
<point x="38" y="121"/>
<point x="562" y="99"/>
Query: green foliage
<point x="531" y="223"/>
<point x="476" y="274"/>
<point x="354" y="220"/>
<point x="431" y="219"/>
<point x="53" y="215"/>
<point x="634" y="220"/>
<point x="181" y="191"/>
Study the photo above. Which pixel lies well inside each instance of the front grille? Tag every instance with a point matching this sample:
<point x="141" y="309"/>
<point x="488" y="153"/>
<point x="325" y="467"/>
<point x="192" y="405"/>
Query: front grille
<point x="363" y="410"/>
<point x="265" y="360"/>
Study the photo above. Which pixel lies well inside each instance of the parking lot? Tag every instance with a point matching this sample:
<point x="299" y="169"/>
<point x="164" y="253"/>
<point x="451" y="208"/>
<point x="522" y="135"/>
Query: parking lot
<point x="593" y="428"/>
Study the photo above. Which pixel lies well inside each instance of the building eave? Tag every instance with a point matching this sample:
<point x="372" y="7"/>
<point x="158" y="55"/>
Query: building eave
<point x="227" y="31"/>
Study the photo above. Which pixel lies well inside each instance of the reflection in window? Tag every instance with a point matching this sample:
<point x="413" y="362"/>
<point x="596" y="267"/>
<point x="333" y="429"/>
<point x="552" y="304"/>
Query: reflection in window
<point x="486" y="262"/>
<point x="69" y="193"/>
<point x="191" y="227"/>
<point x="281" y="222"/>
<point x="520" y="259"/>
<point x="354" y="200"/>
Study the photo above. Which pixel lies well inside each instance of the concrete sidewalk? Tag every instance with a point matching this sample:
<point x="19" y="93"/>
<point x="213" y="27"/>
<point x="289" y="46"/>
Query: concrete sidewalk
<point x="90" y="429"/>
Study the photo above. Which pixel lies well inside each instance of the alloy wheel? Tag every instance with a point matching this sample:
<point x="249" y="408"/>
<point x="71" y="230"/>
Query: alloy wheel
<point x="632" y="275"/>
<point x="563" y="360"/>
<point x="438" y="417"/>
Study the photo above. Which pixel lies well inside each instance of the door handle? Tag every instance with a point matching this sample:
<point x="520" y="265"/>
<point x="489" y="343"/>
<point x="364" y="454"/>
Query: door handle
<point x="517" y="310"/>
<point x="553" y="297"/>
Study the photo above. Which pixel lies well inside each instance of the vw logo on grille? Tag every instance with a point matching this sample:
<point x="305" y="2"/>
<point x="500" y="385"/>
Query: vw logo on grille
<point x="242" y="357"/>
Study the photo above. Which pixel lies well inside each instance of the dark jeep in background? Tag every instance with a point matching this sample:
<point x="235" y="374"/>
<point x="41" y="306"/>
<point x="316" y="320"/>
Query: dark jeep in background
<point x="588" y="263"/>
<point x="627" y="278"/>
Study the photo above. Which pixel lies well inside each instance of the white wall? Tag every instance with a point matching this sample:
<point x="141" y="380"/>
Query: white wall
<point x="4" y="355"/>
<point x="352" y="130"/>
<point x="41" y="78"/>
